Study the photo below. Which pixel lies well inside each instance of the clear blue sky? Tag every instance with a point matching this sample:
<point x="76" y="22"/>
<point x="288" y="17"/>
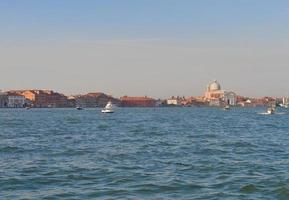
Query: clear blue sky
<point x="145" y="47"/>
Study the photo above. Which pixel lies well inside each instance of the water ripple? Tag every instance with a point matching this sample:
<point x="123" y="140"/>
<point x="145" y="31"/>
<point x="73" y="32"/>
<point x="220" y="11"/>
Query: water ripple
<point x="136" y="153"/>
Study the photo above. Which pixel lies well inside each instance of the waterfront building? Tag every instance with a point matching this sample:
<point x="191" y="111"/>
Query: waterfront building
<point x="215" y="96"/>
<point x="30" y="95"/>
<point x="196" y="101"/>
<point x="230" y="98"/>
<point x="44" y="98"/>
<point x="174" y="101"/>
<point x="71" y="101"/>
<point x="127" y="101"/>
<point x="253" y="102"/>
<point x="15" y="100"/>
<point x="245" y="103"/>
<point x="94" y="99"/>
<point x="3" y="99"/>
<point x="55" y="99"/>
<point x="160" y="102"/>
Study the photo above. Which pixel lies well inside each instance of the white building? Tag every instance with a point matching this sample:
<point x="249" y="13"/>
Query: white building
<point x="16" y="101"/>
<point x="230" y="98"/>
<point x="173" y="102"/>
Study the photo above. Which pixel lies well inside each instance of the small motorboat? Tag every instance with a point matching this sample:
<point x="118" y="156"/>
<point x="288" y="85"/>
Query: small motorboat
<point x="108" y="108"/>
<point x="227" y="107"/>
<point x="79" y="108"/>
<point x="271" y="110"/>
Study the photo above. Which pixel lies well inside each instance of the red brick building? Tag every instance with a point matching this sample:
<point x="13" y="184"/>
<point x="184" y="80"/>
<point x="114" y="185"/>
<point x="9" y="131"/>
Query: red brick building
<point x="126" y="101"/>
<point x="94" y="99"/>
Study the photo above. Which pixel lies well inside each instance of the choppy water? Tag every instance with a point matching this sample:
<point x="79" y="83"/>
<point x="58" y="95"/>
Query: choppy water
<point x="135" y="153"/>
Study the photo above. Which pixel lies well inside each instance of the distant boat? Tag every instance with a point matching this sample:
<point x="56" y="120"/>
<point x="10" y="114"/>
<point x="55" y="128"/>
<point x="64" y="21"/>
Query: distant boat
<point x="227" y="107"/>
<point x="271" y="110"/>
<point x="79" y="108"/>
<point x="108" y="108"/>
<point x="284" y="105"/>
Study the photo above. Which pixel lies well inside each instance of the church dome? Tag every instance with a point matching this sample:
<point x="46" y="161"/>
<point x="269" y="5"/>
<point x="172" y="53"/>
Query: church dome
<point x="214" y="86"/>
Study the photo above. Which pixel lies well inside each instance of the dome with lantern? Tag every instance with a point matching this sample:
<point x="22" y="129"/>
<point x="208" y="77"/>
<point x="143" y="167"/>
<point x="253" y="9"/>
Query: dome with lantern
<point x="215" y="86"/>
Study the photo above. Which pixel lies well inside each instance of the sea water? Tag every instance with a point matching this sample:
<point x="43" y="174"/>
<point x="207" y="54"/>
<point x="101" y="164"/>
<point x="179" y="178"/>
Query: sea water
<point x="144" y="153"/>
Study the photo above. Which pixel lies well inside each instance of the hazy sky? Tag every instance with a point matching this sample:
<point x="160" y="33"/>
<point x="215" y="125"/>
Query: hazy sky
<point x="157" y="48"/>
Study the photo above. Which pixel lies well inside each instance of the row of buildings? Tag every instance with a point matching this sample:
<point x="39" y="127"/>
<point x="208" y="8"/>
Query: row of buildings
<point x="33" y="98"/>
<point x="101" y="99"/>
<point x="51" y="99"/>
<point x="214" y="96"/>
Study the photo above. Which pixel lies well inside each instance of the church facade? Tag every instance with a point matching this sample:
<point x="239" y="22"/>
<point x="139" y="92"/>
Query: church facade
<point x="215" y="96"/>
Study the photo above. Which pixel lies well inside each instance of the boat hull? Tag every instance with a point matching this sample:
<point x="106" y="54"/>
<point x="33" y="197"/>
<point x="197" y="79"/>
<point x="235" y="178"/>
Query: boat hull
<point x="226" y="108"/>
<point x="107" y="111"/>
<point x="271" y="111"/>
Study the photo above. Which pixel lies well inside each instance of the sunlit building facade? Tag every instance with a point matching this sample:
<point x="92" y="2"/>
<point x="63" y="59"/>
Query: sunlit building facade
<point x="215" y="96"/>
<point x="126" y="101"/>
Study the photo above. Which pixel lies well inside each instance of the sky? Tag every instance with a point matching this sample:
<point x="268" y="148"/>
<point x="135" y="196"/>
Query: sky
<point x="158" y="48"/>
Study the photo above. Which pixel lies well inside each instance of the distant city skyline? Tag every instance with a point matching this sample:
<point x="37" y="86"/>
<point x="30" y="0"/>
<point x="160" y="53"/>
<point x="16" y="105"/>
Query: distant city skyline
<point x="157" y="48"/>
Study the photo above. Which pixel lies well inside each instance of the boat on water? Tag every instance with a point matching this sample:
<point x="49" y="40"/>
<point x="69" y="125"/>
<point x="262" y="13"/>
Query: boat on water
<point x="108" y="108"/>
<point x="271" y="110"/>
<point x="227" y="107"/>
<point x="79" y="108"/>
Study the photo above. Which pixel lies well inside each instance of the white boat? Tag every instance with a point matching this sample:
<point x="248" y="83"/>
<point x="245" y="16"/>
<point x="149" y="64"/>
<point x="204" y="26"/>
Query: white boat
<point x="271" y="110"/>
<point x="227" y="107"/>
<point x="284" y="105"/>
<point x="108" y="108"/>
